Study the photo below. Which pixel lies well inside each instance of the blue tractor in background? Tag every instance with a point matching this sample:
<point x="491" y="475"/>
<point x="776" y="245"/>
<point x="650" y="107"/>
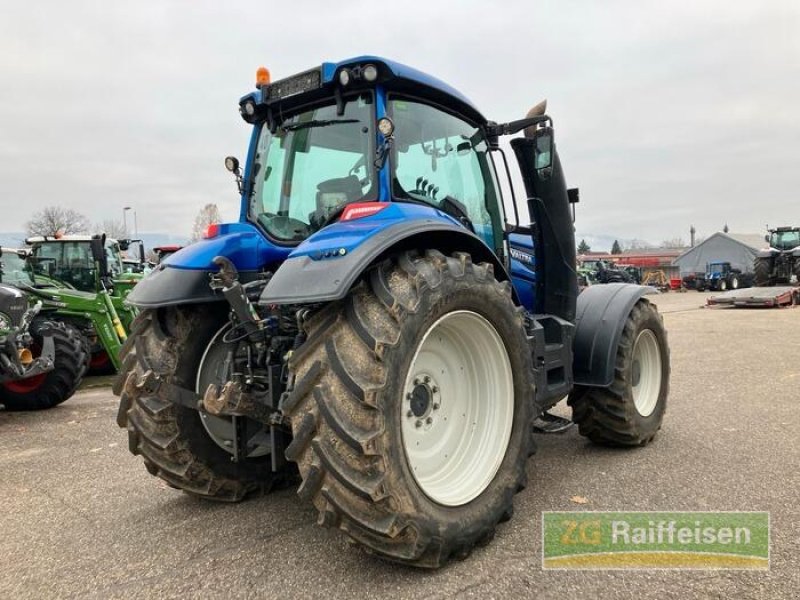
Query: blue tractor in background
<point x="375" y="322"/>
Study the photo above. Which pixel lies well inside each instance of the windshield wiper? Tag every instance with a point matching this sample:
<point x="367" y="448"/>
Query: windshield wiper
<point x="316" y="123"/>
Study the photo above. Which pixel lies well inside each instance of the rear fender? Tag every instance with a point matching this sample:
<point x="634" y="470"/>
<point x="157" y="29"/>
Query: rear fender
<point x="325" y="267"/>
<point x="601" y="315"/>
<point x="183" y="277"/>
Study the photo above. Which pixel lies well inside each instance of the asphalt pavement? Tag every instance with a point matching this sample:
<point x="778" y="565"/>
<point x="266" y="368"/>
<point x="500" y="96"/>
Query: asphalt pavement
<point x="82" y="519"/>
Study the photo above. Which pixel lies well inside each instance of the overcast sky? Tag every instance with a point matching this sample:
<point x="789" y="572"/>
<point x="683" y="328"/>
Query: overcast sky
<point x="667" y="113"/>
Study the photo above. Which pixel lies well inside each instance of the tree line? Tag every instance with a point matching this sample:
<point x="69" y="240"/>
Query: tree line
<point x="58" y="220"/>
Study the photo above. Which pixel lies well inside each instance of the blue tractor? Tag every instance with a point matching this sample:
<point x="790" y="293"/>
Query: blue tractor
<point x="377" y="325"/>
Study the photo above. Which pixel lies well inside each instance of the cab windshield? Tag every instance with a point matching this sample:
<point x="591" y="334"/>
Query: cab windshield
<point x="13" y="268"/>
<point x="785" y="240"/>
<point x="315" y="162"/>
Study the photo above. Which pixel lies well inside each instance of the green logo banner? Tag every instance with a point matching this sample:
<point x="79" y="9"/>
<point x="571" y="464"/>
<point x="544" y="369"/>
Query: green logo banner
<point x="655" y="540"/>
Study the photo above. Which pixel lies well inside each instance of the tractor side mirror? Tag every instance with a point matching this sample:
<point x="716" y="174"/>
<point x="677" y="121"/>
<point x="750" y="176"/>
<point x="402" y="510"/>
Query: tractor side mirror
<point x="98" y="246"/>
<point x="766" y="238"/>
<point x="543" y="149"/>
<point x="141" y="253"/>
<point x="124" y="244"/>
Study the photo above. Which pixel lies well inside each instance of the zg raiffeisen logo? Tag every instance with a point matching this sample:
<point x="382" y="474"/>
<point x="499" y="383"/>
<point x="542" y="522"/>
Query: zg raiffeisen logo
<point x="655" y="540"/>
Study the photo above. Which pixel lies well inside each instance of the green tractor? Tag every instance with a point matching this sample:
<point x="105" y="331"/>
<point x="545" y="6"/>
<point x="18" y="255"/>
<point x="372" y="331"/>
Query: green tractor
<point x="80" y="280"/>
<point x="41" y="362"/>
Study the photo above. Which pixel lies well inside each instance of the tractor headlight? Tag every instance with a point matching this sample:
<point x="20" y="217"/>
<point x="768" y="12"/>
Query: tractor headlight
<point x="386" y="127"/>
<point x="344" y="77"/>
<point x="369" y="73"/>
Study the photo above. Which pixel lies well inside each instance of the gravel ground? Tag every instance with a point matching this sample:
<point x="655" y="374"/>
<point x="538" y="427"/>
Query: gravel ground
<point x="81" y="517"/>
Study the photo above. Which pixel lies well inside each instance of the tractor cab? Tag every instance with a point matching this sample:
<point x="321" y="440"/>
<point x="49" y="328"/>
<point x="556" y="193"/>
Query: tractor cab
<point x="365" y="145"/>
<point x="67" y="261"/>
<point x="783" y="238"/>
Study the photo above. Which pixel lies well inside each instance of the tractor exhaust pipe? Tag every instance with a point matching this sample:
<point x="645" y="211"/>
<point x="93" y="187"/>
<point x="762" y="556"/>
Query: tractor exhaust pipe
<point x="552" y="226"/>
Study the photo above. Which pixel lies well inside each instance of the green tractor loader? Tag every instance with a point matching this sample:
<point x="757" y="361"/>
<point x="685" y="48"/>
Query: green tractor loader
<point x="80" y="281"/>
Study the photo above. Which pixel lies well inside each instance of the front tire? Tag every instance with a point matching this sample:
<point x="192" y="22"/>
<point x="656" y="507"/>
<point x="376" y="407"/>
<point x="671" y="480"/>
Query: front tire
<point x="411" y="436"/>
<point x="171" y="438"/>
<point x="53" y="387"/>
<point x="630" y="411"/>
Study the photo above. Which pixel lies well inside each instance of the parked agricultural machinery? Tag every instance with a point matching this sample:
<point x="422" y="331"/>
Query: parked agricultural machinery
<point x="719" y="277"/>
<point x="41" y="362"/>
<point x="371" y="321"/>
<point x="780" y="263"/>
<point x="80" y="280"/>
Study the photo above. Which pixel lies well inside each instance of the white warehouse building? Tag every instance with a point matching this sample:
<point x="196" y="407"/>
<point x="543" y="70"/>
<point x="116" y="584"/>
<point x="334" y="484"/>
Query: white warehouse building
<point x="739" y="249"/>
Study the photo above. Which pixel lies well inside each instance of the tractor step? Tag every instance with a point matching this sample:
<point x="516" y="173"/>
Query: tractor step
<point x="550" y="340"/>
<point x="550" y="423"/>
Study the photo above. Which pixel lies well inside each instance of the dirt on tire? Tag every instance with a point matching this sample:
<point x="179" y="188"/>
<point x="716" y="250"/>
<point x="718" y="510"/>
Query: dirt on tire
<point x="170" y="437"/>
<point x="608" y="416"/>
<point x="346" y="403"/>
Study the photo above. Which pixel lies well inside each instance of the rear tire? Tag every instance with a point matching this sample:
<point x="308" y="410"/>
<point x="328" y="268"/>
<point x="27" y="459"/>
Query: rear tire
<point x="374" y="370"/>
<point x="171" y="438"/>
<point x="762" y="268"/>
<point x="54" y="387"/>
<point x="630" y="411"/>
<point x="797" y="269"/>
<point x="734" y="282"/>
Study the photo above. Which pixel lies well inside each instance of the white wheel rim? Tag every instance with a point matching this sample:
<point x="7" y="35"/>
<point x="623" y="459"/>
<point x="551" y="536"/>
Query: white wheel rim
<point x="221" y="429"/>
<point x="646" y="373"/>
<point x="457" y="408"/>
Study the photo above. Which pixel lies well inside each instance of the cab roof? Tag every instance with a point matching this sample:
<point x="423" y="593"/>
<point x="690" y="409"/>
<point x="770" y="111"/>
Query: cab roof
<point x="394" y="76"/>
<point x="417" y="79"/>
<point x="63" y="238"/>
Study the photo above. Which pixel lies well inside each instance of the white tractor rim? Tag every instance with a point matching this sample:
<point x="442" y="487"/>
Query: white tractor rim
<point x="646" y="372"/>
<point x="221" y="429"/>
<point x="457" y="408"/>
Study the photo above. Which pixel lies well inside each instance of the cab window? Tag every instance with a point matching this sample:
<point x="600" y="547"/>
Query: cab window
<point x="444" y="161"/>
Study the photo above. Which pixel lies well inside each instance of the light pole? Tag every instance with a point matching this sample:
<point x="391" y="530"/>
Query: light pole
<point x="135" y="225"/>
<point x="125" y="210"/>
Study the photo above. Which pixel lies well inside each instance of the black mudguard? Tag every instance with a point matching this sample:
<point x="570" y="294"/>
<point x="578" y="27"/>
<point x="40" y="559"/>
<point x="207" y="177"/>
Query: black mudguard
<point x="601" y="314"/>
<point x="303" y="280"/>
<point x="168" y="286"/>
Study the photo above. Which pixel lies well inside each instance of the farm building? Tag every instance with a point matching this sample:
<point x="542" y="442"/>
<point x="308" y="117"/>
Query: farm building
<point x="739" y="249"/>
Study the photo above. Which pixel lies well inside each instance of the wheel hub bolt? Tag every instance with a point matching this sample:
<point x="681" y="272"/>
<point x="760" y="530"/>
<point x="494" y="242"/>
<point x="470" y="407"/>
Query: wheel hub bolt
<point x="416" y="381"/>
<point x="435" y="390"/>
<point x="435" y="406"/>
<point x="418" y="424"/>
<point x="410" y="414"/>
<point x="427" y="379"/>
<point x="429" y="420"/>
